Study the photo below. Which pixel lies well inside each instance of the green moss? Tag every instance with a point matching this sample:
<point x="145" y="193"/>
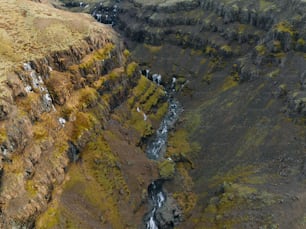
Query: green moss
<point x="196" y="52"/>
<point x="301" y="42"/>
<point x="207" y="78"/>
<point x="149" y="92"/>
<point x="50" y="218"/>
<point x="98" y="55"/>
<point x="277" y="44"/>
<point x="166" y="169"/>
<point x="95" y="188"/>
<point x="126" y="53"/>
<point x="265" y="5"/>
<point x="3" y="135"/>
<point x="278" y="55"/>
<point x="66" y="111"/>
<point x="233" y="197"/>
<point x="162" y="110"/>
<point x="147" y="96"/>
<point x="131" y="68"/>
<point x="226" y="48"/>
<point x="30" y="188"/>
<point x="273" y="73"/>
<point x="178" y="141"/>
<point x="153" y="99"/>
<point x="142" y="85"/>
<point x="210" y="51"/>
<point x="152" y="48"/>
<point x="285" y="27"/>
<point x="84" y="122"/>
<point x="114" y="75"/>
<point x="261" y="49"/>
<point x="87" y="97"/>
<point x="238" y="174"/>
<point x="229" y="83"/>
<point x="143" y="127"/>
<point x="186" y="201"/>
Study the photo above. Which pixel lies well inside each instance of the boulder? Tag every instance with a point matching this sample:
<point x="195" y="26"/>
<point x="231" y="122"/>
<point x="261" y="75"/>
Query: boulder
<point x="169" y="215"/>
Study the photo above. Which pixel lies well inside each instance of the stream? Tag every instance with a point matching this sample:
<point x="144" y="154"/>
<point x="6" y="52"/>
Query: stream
<point x="155" y="150"/>
<point x="156" y="146"/>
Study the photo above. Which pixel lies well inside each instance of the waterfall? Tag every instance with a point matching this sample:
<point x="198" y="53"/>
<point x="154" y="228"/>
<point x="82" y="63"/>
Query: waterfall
<point x="155" y="150"/>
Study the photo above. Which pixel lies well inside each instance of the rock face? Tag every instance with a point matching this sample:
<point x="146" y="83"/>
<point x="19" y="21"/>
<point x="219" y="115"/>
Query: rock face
<point x="55" y="105"/>
<point x="242" y="64"/>
<point x="238" y="151"/>
<point x="169" y="215"/>
<point x="259" y="35"/>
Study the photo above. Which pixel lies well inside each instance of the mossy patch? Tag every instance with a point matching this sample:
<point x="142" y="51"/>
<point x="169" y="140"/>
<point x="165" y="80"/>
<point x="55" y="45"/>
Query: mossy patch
<point x="207" y="78"/>
<point x="98" y="55"/>
<point x="161" y="111"/>
<point x="166" y="169"/>
<point x="265" y="5"/>
<point x="131" y="68"/>
<point x="147" y="100"/>
<point x="178" y="143"/>
<point x="186" y="201"/>
<point x="30" y="188"/>
<point x="274" y="73"/>
<point x="152" y="48"/>
<point x="144" y="127"/>
<point x="83" y="122"/>
<point x="3" y="134"/>
<point x="96" y="185"/>
<point x="87" y="97"/>
<point x="229" y="83"/>
<point x="261" y="49"/>
<point x="285" y="27"/>
<point x="229" y="199"/>
<point x="210" y="51"/>
<point x="50" y="218"/>
<point x="241" y="174"/>
<point x="226" y="49"/>
<point x="126" y="53"/>
<point x="301" y="42"/>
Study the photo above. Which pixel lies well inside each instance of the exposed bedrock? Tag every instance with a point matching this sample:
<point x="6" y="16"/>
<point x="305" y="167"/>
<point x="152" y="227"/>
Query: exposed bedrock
<point x="236" y="157"/>
<point x="54" y="108"/>
<point x="259" y="38"/>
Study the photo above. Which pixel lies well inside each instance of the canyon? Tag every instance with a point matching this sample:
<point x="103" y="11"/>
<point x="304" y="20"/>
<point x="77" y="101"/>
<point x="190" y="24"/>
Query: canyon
<point x="78" y="111"/>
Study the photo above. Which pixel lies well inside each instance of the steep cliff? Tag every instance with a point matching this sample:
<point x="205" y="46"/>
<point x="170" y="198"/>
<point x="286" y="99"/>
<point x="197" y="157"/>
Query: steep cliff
<point x="75" y="112"/>
<point x="239" y="150"/>
<point x="70" y="129"/>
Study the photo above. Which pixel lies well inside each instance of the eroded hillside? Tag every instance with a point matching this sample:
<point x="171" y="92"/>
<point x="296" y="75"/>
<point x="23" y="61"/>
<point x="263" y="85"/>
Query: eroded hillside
<point x="69" y="122"/>
<point x="240" y="70"/>
<point x="75" y="112"/>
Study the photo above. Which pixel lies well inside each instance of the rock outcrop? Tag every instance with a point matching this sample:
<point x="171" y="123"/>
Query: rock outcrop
<point x="259" y="35"/>
<point x="238" y="152"/>
<point x="243" y="65"/>
<point x="59" y="95"/>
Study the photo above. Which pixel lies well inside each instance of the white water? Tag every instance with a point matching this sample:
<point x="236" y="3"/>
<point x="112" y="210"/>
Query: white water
<point x="155" y="149"/>
<point x="151" y="223"/>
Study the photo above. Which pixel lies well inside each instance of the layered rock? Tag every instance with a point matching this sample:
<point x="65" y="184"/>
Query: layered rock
<point x="55" y="104"/>
<point x="242" y="65"/>
<point x="239" y="68"/>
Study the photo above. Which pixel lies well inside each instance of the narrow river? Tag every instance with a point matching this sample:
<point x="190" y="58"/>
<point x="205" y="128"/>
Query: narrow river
<point x="155" y="150"/>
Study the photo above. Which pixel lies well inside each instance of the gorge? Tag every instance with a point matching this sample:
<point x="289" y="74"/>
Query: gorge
<point x="78" y="114"/>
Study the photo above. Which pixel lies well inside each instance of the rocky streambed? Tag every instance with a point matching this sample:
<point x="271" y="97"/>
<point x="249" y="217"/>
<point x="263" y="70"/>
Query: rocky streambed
<point x="159" y="217"/>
